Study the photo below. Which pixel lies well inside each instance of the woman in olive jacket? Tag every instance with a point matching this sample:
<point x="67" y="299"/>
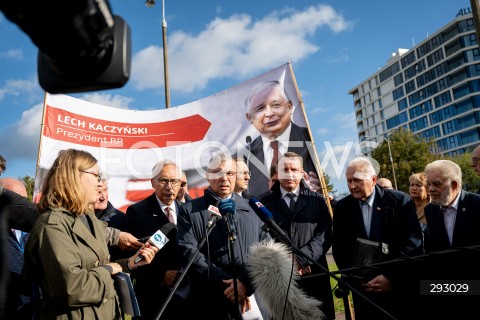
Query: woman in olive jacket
<point x="66" y="254"/>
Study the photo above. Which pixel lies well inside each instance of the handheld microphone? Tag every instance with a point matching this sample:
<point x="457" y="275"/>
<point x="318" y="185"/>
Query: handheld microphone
<point x="227" y="210"/>
<point x="159" y="238"/>
<point x="214" y="215"/>
<point x="267" y="217"/>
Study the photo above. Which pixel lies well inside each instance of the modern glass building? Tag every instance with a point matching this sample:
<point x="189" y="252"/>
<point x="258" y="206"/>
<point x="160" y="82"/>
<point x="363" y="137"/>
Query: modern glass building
<point x="432" y="89"/>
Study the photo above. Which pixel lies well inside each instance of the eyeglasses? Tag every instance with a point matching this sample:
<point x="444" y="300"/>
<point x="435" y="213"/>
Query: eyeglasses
<point x="183" y="184"/>
<point x="163" y="182"/>
<point x="475" y="160"/>
<point x="96" y="174"/>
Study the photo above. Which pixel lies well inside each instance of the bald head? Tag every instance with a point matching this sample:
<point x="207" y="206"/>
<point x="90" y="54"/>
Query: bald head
<point x="385" y="183"/>
<point x="14" y="185"/>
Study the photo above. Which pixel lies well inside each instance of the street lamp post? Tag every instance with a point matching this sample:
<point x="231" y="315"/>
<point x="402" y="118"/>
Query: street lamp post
<point x="391" y="162"/>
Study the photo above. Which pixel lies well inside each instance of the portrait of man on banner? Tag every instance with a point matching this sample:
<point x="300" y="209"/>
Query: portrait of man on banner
<point x="270" y="110"/>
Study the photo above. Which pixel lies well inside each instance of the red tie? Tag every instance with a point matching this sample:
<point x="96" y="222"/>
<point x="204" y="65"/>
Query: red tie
<point x="274" y="145"/>
<point x="169" y="215"/>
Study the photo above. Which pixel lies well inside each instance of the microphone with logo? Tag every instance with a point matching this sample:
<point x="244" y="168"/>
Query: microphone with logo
<point x="159" y="238"/>
<point x="266" y="216"/>
<point x="227" y="210"/>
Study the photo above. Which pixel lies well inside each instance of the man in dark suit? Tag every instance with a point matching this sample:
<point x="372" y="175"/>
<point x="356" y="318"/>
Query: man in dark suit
<point x="143" y="219"/>
<point x="243" y="177"/>
<point x="270" y="111"/>
<point x="308" y="225"/>
<point x="384" y="216"/>
<point x="212" y="271"/>
<point x="453" y="221"/>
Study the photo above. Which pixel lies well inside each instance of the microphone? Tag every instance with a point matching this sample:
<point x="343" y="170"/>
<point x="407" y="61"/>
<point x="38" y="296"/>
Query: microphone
<point x="248" y="140"/>
<point x="227" y="210"/>
<point x="267" y="217"/>
<point x="160" y="238"/>
<point x="214" y="215"/>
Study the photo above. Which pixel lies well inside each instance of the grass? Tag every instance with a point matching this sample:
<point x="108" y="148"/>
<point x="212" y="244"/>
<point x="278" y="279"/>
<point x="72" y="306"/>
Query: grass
<point x="337" y="302"/>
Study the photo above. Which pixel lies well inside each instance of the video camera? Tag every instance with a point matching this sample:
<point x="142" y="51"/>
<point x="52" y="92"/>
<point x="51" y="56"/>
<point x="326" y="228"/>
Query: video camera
<point x="82" y="46"/>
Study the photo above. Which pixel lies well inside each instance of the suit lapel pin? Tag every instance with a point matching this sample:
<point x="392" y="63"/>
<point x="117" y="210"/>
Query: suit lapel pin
<point x="379" y="209"/>
<point x="464" y="209"/>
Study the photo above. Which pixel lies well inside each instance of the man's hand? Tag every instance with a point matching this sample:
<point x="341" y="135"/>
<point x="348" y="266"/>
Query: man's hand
<point x="378" y="284"/>
<point x="126" y="241"/>
<point x="230" y="292"/>
<point x="171" y="276"/>
<point x="312" y="181"/>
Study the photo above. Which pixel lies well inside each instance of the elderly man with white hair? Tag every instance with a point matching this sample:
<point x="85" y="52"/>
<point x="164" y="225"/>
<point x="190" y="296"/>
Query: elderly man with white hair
<point x="385" y="217"/>
<point x="453" y="221"/>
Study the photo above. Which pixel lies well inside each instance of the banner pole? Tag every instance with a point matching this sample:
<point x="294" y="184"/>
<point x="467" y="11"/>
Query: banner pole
<point x="37" y="167"/>
<point x="316" y="161"/>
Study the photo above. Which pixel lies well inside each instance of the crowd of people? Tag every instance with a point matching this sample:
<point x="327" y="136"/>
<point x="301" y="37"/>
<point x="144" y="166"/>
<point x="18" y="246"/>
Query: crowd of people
<point x="402" y="255"/>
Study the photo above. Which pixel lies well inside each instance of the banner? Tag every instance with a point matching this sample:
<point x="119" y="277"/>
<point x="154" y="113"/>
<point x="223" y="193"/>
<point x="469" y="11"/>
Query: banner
<point x="128" y="143"/>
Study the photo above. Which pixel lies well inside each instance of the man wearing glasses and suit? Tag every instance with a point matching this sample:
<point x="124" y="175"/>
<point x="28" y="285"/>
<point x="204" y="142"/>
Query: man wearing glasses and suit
<point x="143" y="219"/>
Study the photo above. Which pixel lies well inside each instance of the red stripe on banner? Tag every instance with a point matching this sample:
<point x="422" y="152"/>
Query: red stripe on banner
<point x="75" y="128"/>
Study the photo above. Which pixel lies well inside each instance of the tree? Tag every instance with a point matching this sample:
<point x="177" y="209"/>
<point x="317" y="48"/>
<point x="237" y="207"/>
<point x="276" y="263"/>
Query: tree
<point x="471" y="182"/>
<point x="410" y="154"/>
<point x="328" y="184"/>
<point x="29" y="184"/>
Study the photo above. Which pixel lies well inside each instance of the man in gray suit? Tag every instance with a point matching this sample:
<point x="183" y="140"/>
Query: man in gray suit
<point x="269" y="109"/>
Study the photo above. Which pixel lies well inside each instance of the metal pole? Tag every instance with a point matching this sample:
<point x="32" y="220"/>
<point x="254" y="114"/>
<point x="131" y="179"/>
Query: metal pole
<point x="165" y="57"/>
<point x="391" y="161"/>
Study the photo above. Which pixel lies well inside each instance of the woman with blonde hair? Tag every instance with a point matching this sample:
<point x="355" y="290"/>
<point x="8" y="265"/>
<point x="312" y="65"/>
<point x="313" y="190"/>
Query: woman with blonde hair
<point x="419" y="194"/>
<point x="66" y="254"/>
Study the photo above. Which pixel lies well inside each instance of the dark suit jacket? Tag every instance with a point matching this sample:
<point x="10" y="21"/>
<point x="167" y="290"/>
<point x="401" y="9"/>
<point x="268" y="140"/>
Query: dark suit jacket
<point x="395" y="223"/>
<point x="461" y="265"/>
<point x="213" y="264"/>
<point x="258" y="183"/>
<point x="310" y="229"/>
<point x="143" y="219"/>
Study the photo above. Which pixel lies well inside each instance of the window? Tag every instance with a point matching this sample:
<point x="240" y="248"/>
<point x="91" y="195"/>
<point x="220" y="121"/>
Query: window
<point x="410" y="86"/>
<point x="398" y="79"/>
<point x="397" y="120"/>
<point x="398" y="93"/>
<point x="402" y="104"/>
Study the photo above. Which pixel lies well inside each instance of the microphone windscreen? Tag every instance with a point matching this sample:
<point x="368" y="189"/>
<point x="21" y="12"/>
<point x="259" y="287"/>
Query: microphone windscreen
<point x="270" y="267"/>
<point x="248" y="139"/>
<point x="226" y="205"/>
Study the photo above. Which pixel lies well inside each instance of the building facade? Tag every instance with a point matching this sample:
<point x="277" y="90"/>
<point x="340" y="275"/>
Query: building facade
<point x="432" y="89"/>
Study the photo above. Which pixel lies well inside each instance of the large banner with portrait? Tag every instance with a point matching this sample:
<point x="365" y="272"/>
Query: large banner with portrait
<point x="128" y="143"/>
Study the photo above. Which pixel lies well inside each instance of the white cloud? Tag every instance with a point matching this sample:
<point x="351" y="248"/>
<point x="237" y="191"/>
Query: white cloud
<point x="322" y="131"/>
<point x="13" y="54"/>
<point x="234" y="47"/>
<point x="26" y="88"/>
<point x="109" y="100"/>
<point x="21" y="138"/>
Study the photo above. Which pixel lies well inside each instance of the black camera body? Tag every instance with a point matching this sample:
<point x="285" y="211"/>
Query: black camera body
<point x="82" y="46"/>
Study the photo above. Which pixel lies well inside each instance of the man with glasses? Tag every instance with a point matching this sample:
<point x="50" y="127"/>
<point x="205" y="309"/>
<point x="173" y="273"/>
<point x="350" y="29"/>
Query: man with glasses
<point x="475" y="163"/>
<point x="143" y="219"/>
<point x="212" y="272"/>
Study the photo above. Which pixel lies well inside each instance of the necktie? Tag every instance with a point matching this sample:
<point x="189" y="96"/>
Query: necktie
<point x="274" y="145"/>
<point x="366" y="216"/>
<point x="291" y="195"/>
<point x="169" y="215"/>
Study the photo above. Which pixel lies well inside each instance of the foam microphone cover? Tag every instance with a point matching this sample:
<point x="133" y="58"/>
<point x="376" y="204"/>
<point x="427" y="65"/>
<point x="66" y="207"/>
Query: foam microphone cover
<point x="270" y="267"/>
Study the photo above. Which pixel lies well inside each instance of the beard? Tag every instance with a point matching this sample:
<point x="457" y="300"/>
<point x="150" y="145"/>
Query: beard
<point x="445" y="197"/>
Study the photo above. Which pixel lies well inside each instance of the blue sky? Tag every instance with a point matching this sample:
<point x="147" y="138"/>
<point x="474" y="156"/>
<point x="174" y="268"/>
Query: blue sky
<point x="213" y="45"/>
